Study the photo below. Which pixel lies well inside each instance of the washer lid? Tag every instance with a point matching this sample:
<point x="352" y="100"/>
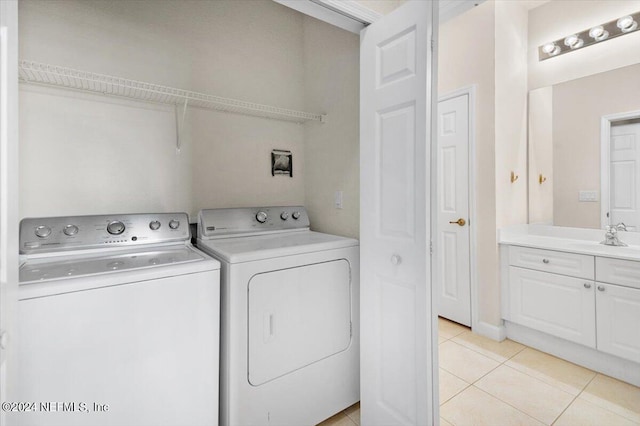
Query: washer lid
<point x="60" y="267"/>
<point x="247" y="249"/>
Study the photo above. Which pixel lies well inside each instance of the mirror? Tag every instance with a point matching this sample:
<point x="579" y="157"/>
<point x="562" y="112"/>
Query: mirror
<point x="584" y="151"/>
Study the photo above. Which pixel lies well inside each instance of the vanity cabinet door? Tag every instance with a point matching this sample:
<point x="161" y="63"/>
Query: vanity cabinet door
<point x="555" y="304"/>
<point x="618" y="323"/>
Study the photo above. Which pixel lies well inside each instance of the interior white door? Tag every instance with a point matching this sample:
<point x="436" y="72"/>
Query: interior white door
<point x="625" y="175"/>
<point x="452" y="257"/>
<point x="8" y="193"/>
<point x="396" y="107"/>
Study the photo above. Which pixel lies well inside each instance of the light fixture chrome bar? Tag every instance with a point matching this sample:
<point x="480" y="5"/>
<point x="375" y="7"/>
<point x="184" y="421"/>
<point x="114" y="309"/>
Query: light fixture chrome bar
<point x="612" y="29"/>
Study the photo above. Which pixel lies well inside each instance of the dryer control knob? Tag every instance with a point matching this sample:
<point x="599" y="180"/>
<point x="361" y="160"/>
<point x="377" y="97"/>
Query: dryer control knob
<point x="261" y="217"/>
<point x="115" y="228"/>
<point x="174" y="224"/>
<point x="284" y="215"/>
<point x="43" y="231"/>
<point x="70" y="230"/>
<point x="295" y="215"/>
<point x="154" y="225"/>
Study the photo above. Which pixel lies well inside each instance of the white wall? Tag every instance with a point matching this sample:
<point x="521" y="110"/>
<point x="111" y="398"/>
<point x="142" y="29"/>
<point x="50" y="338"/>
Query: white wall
<point x="84" y="154"/>
<point x="381" y="6"/>
<point x="560" y="18"/>
<point x="332" y="155"/>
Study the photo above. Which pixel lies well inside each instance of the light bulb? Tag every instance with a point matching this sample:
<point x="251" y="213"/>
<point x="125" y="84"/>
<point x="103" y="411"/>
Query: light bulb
<point x="573" y="41"/>
<point x="598" y="33"/>
<point x="551" y="49"/>
<point x="626" y="24"/>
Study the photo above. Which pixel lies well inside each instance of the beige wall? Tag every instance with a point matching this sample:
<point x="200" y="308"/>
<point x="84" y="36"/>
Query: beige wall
<point x="332" y="155"/>
<point x="541" y="155"/>
<point x="466" y="57"/>
<point x="578" y="106"/>
<point x="85" y="154"/>
<point x="511" y="112"/>
<point x="559" y="18"/>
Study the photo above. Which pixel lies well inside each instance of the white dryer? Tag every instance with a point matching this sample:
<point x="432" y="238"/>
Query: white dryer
<point x="289" y="316"/>
<point x="118" y="323"/>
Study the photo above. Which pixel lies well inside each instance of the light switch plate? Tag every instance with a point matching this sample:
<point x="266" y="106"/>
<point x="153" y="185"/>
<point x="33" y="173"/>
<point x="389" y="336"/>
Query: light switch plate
<point x="337" y="199"/>
<point x="588" y="196"/>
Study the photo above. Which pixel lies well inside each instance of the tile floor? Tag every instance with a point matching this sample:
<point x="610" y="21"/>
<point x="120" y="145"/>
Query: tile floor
<point x="483" y="382"/>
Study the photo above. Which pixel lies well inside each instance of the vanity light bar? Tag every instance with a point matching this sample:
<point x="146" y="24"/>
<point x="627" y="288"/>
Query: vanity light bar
<point x="621" y="26"/>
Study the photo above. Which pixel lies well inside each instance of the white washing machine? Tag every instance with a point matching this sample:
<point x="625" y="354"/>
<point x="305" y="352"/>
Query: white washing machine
<point x="289" y="316"/>
<point x="118" y="323"/>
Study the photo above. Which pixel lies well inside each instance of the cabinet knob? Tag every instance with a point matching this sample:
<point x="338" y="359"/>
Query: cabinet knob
<point x="600" y="288"/>
<point x="396" y="260"/>
<point x="587" y="285"/>
<point x="545" y="260"/>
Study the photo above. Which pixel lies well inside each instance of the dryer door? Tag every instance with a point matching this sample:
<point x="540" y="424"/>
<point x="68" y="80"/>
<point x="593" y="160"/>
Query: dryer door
<point x="297" y="316"/>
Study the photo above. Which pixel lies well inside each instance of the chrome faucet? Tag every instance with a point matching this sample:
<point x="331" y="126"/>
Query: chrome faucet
<point x="611" y="235"/>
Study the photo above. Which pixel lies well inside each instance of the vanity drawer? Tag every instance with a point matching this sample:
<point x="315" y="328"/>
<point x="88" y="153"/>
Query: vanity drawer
<point x="571" y="264"/>
<point x="618" y="271"/>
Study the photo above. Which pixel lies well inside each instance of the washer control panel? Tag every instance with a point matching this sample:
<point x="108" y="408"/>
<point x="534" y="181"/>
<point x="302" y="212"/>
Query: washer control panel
<point x="52" y="234"/>
<point x="251" y="220"/>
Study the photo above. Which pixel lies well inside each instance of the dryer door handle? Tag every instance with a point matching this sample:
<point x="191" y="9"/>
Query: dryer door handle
<point x="267" y="322"/>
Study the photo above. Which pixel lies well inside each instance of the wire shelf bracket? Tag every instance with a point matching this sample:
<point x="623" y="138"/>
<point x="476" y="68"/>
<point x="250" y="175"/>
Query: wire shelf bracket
<point x="58" y="76"/>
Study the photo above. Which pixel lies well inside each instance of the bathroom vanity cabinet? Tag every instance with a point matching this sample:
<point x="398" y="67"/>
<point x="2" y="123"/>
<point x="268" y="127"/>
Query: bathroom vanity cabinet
<point x="581" y="306"/>
<point x="594" y="301"/>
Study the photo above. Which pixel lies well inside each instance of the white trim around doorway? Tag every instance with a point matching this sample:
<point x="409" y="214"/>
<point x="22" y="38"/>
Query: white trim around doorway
<point x="605" y="149"/>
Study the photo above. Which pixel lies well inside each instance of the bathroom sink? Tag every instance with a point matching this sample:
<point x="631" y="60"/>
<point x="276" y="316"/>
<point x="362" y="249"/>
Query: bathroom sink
<point x="597" y="248"/>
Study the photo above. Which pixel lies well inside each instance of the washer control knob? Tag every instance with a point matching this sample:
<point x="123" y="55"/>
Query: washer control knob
<point x="43" y="231"/>
<point x="174" y="224"/>
<point x="115" y="228"/>
<point x="154" y="225"/>
<point x="70" y="230"/>
<point x="261" y="217"/>
<point x="284" y="215"/>
<point x="295" y="215"/>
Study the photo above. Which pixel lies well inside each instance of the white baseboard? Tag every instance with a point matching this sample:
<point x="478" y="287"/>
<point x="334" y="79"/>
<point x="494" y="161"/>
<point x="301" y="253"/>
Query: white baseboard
<point x="622" y="369"/>
<point x="494" y="332"/>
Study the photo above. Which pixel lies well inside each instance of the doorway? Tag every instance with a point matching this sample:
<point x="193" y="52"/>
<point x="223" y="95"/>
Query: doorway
<point x="455" y="257"/>
<point x="620" y="181"/>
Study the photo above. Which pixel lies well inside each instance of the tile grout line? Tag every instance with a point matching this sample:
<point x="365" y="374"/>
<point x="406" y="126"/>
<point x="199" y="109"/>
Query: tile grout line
<point x="348" y="416"/>
<point x="600" y="406"/>
<point x="573" y="400"/>
<point x="533" y="377"/>
<point x="549" y="384"/>
<point x="501" y="362"/>
<point x="510" y="405"/>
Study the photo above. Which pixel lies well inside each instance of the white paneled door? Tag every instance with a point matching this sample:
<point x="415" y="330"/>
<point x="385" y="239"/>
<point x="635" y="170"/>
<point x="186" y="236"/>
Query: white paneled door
<point x="396" y="101"/>
<point x="452" y="257"/>
<point x="8" y="194"/>
<point x="625" y="175"/>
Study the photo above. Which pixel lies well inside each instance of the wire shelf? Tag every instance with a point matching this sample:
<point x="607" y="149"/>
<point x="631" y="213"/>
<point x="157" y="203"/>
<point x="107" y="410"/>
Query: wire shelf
<point x="57" y="76"/>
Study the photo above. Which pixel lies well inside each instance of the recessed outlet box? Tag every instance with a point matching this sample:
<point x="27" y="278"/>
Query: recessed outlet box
<point x="588" y="196"/>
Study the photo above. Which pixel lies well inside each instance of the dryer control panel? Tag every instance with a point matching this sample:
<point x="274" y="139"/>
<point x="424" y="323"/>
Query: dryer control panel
<point x="214" y="223"/>
<point x="53" y="234"/>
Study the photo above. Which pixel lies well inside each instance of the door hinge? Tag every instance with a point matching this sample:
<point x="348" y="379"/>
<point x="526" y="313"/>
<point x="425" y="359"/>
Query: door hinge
<point x="351" y="329"/>
<point x="431" y="248"/>
<point x="433" y="44"/>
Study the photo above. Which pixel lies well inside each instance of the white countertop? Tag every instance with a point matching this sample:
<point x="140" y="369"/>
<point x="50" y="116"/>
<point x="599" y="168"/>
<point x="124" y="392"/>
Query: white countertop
<point x="556" y="238"/>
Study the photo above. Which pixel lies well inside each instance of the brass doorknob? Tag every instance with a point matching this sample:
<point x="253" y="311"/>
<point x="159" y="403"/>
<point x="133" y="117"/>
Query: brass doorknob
<point x="460" y="222"/>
